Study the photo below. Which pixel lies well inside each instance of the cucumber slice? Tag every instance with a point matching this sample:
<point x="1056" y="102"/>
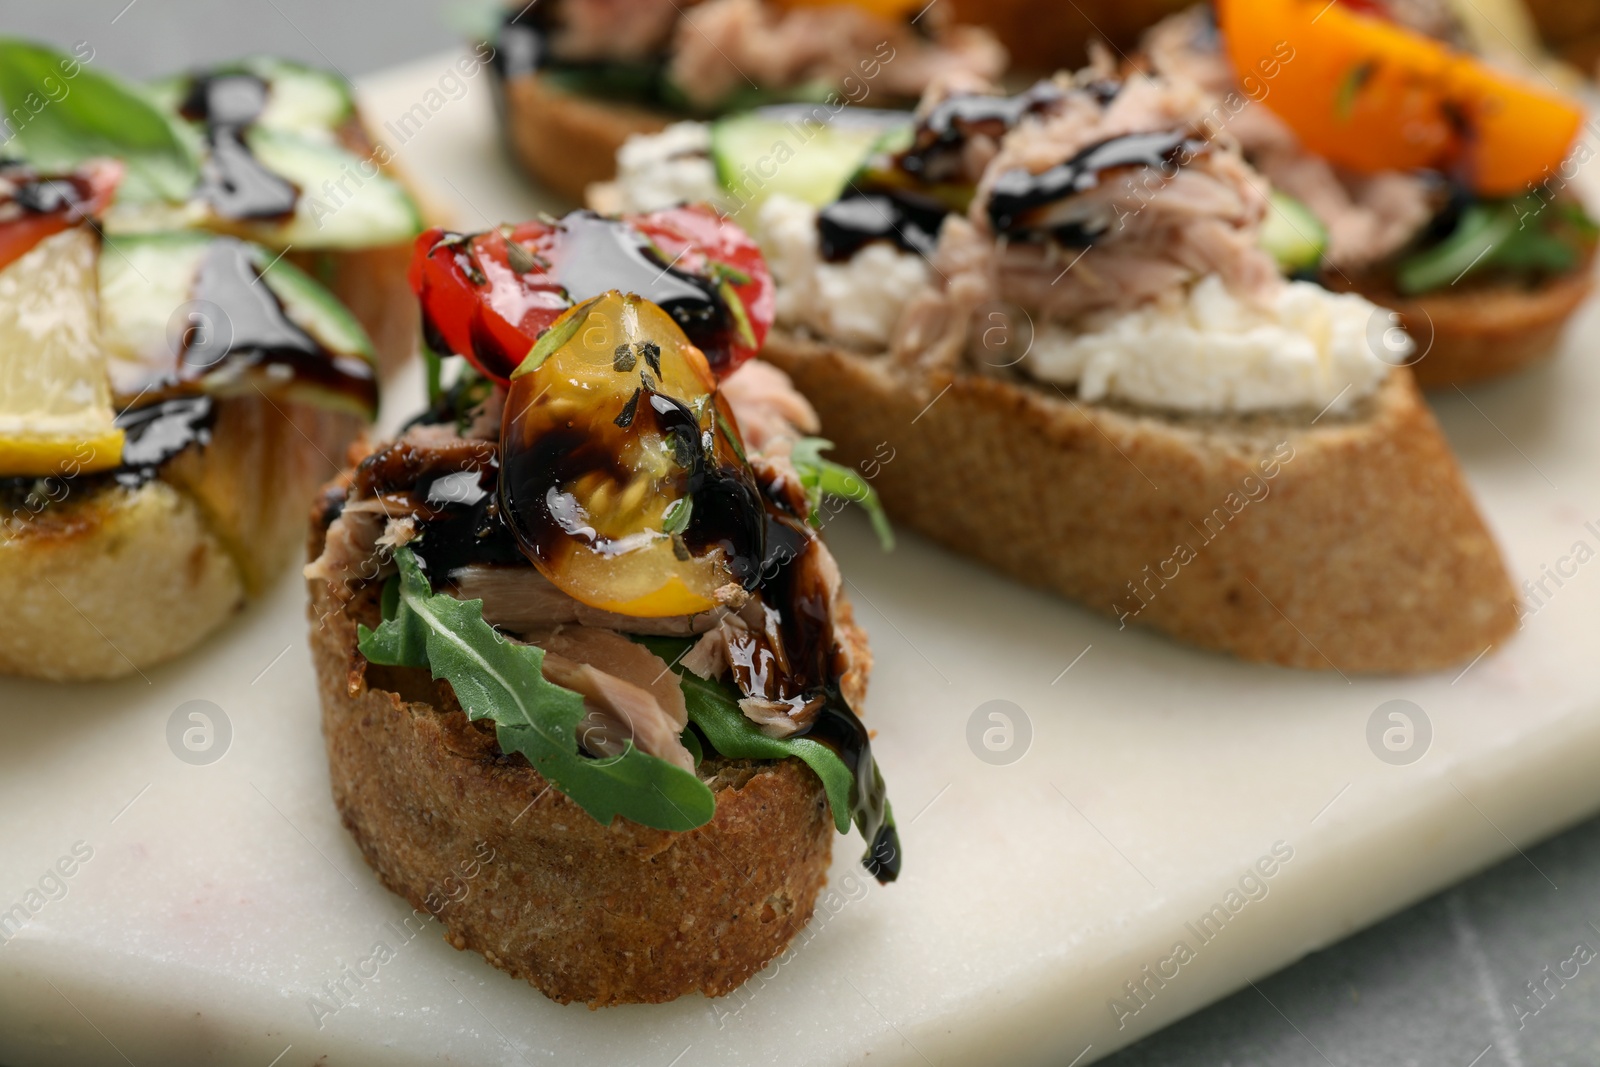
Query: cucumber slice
<point x="1293" y="236"/>
<point x="299" y="97"/>
<point x="785" y="150"/>
<point x="314" y="309"/>
<point x="143" y="280"/>
<point x="345" y="201"/>
<point x="146" y="278"/>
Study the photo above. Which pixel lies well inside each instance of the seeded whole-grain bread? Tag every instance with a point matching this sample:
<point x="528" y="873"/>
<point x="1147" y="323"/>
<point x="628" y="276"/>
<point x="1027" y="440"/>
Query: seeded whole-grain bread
<point x="100" y="581"/>
<point x="1348" y="542"/>
<point x="564" y="141"/>
<point x="618" y="914"/>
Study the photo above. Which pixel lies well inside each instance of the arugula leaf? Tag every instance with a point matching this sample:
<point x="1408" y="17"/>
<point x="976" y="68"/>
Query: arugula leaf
<point x="1519" y="235"/>
<point x="90" y="114"/>
<point x="715" y="710"/>
<point x="825" y="477"/>
<point x="497" y="679"/>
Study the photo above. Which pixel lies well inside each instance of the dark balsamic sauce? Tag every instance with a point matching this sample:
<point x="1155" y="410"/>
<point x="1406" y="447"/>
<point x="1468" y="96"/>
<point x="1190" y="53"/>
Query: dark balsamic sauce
<point x="592" y="255"/>
<point x="451" y="493"/>
<point x="65" y="196"/>
<point x="794" y="659"/>
<point x="936" y="147"/>
<point x="256" y="333"/>
<point x="155" y="433"/>
<point x="1018" y="195"/>
<point x="889" y="205"/>
<point x="600" y="254"/>
<point x="906" y="219"/>
<point x="232" y="180"/>
<point x="802" y="669"/>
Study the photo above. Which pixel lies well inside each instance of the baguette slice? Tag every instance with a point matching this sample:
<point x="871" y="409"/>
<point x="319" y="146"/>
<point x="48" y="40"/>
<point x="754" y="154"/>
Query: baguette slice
<point x="616" y="914"/>
<point x="1363" y="551"/>
<point x="1483" y="331"/>
<point x="100" y="581"/>
<point x="567" y="142"/>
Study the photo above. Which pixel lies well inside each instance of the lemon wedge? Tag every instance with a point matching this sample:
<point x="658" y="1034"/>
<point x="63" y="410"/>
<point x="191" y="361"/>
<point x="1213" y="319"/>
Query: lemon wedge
<point x="55" y="398"/>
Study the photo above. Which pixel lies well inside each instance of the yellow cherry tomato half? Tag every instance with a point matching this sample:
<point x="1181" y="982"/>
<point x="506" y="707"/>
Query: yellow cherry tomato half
<point x="621" y="470"/>
<point x="1371" y="96"/>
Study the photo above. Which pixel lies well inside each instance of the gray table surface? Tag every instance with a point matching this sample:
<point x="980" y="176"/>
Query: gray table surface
<point x="1447" y="983"/>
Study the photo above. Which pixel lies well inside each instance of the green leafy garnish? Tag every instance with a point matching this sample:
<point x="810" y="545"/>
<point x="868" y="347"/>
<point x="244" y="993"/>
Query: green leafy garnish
<point x="72" y="119"/>
<point x="742" y="329"/>
<point x="715" y="710"/>
<point x="500" y="680"/>
<point x="554" y="337"/>
<point x="1523" y="235"/>
<point x="823" y="477"/>
<point x="1350" y="88"/>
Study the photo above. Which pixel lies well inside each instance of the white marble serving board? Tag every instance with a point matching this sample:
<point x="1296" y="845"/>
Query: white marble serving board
<point x="221" y="904"/>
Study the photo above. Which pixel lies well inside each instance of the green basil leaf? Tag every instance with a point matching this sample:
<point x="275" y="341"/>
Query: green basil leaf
<point x="71" y="119"/>
<point x="823" y="477"/>
<point x="497" y="679"/>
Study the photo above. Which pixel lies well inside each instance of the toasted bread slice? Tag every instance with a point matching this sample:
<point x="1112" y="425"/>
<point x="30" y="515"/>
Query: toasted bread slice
<point x="1044" y="35"/>
<point x="567" y="142"/>
<point x="1347" y="542"/>
<point x="1483" y="331"/>
<point x="101" y="581"/>
<point x="372" y="282"/>
<point x="614" y="914"/>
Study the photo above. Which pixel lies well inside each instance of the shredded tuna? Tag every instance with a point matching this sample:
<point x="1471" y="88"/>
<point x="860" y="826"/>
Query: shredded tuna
<point x="359" y="545"/>
<point x="1368" y="219"/>
<point x="630" y="695"/>
<point x="723" y="46"/>
<point x="612" y="29"/>
<point x="1184" y="221"/>
<point x="768" y="406"/>
<point x="522" y="601"/>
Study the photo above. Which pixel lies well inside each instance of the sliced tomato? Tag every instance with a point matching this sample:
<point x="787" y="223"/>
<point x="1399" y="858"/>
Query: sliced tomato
<point x="52" y="203"/>
<point x="706" y="241"/>
<point x="490" y="296"/>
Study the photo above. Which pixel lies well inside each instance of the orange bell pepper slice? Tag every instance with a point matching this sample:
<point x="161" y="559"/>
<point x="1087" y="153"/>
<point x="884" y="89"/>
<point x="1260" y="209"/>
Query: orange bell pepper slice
<point x="1372" y="96"/>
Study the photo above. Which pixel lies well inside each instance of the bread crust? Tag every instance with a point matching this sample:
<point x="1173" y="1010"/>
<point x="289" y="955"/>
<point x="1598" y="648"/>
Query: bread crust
<point x="616" y="914"/>
<point x="1363" y="552"/>
<point x="567" y="142"/>
<point x="100" y="581"/>
<point x="1480" y="332"/>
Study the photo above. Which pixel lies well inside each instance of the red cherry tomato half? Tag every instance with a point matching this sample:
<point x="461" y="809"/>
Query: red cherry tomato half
<point x="52" y="202"/>
<point x="490" y="296"/>
<point x="703" y="238"/>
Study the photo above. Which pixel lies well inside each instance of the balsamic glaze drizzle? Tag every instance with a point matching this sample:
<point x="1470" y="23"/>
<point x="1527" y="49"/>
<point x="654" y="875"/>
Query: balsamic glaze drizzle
<point x="155" y="433"/>
<point x="595" y="255"/>
<point x="257" y="333"/>
<point x="1017" y="196"/>
<point x="232" y="180"/>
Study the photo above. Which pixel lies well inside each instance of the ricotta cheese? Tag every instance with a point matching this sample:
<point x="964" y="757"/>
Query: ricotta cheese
<point x="1209" y="351"/>
<point x="856" y="302"/>
<point x="661" y="170"/>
